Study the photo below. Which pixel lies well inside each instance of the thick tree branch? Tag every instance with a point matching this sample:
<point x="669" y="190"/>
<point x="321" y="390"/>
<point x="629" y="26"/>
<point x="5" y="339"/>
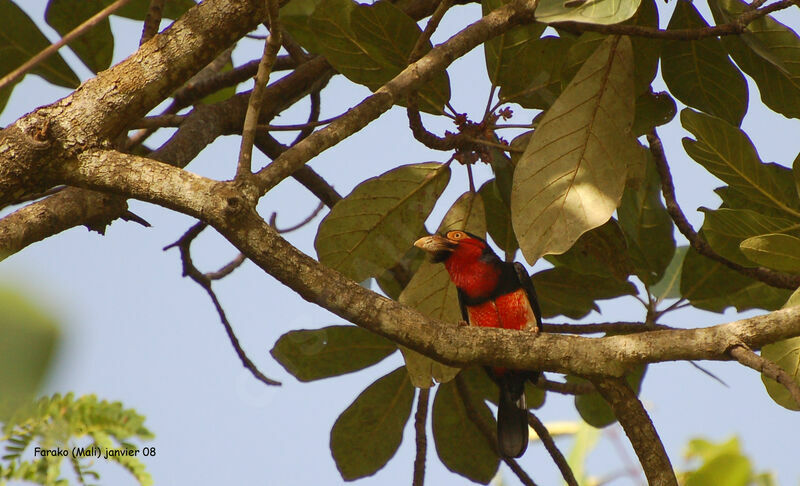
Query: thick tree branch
<point x="766" y="275"/>
<point x="768" y="368"/>
<point x="637" y="425"/>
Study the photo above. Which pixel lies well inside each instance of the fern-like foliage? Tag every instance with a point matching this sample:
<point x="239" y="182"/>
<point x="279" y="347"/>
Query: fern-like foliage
<point x="70" y="426"/>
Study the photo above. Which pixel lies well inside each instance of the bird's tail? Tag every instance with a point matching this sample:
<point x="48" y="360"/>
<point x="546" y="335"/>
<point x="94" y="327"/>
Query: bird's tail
<point x="512" y="415"/>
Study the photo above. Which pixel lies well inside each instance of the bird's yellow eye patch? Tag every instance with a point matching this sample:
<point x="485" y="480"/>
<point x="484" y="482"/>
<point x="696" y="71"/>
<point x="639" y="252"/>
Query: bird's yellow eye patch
<point x="456" y="235"/>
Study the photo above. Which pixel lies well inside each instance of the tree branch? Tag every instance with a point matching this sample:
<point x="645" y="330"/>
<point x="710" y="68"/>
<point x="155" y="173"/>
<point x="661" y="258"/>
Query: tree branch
<point x="768" y="368"/>
<point x="152" y="20"/>
<point x="639" y="429"/>
<point x="766" y="275"/>
<point x="552" y="449"/>
<point x="420" y="418"/>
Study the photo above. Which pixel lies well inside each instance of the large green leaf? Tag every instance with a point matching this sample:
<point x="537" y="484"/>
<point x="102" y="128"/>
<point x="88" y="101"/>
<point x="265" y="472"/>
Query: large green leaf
<point x="777" y="251"/>
<point x="532" y="78"/>
<point x="431" y="292"/>
<point x="370" y="229"/>
<point x="723" y="464"/>
<point x="369" y="44"/>
<point x="498" y="217"/>
<point x="96" y="47"/>
<point x="699" y="72"/>
<point x="562" y="291"/>
<point x="602" y="12"/>
<point x="769" y="52"/>
<point x="29" y="338"/>
<point x="21" y="39"/>
<point x="645" y="51"/>
<point x="647" y="226"/>
<point x="602" y="252"/>
<point x="652" y="110"/>
<point x="712" y="286"/>
<point x="369" y="432"/>
<point x="593" y="408"/>
<point x="571" y="176"/>
<point x="785" y="354"/>
<point x="460" y="444"/>
<point x="725" y="229"/>
<point x="331" y="351"/>
<point x="507" y="54"/>
<point x="728" y="153"/>
<point x="669" y="287"/>
<point x="394" y="279"/>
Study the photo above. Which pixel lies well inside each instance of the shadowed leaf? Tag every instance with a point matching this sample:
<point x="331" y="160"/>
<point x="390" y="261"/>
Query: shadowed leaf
<point x="601" y="252"/>
<point x="669" y="287"/>
<point x="95" y="47"/>
<point x="699" y="73"/>
<point x="571" y="177"/>
<point x="533" y="77"/>
<point x="369" y="432"/>
<point x="593" y="409"/>
<point x="562" y="291"/>
<point x="498" y="217"/>
<point x="370" y="229"/>
<point x="652" y="110"/>
<point x="331" y="351"/>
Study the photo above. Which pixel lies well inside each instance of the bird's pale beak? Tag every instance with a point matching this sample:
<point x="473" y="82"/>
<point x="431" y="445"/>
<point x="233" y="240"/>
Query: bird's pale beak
<point x="435" y="244"/>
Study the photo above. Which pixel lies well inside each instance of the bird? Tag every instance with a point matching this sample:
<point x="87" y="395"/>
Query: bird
<point x="492" y="293"/>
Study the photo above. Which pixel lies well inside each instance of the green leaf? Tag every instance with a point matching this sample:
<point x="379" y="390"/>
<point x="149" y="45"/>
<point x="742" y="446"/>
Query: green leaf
<point x="431" y="292"/>
<point x="699" y="73"/>
<point x="652" y="110"/>
<point x="21" y="39"/>
<point x="137" y="9"/>
<point x="460" y="444"/>
<point x="724" y="229"/>
<point x="603" y="12"/>
<point x="647" y="226"/>
<point x="498" y="217"/>
<point x="571" y="177"/>
<point x="593" y="408"/>
<point x="710" y="285"/>
<point x="785" y="354"/>
<point x="796" y="172"/>
<point x="370" y="229"/>
<point x="722" y="464"/>
<point x="670" y="284"/>
<point x="728" y="153"/>
<point x="331" y="351"/>
<point x="507" y="54"/>
<point x="602" y="252"/>
<point x="776" y="251"/>
<point x="769" y="52"/>
<point x="26" y="349"/>
<point x="370" y="45"/>
<point x="296" y="19"/>
<point x="95" y="47"/>
<point x="533" y="77"/>
<point x="562" y="291"/>
<point x="369" y="432"/>
<point x="394" y="279"/>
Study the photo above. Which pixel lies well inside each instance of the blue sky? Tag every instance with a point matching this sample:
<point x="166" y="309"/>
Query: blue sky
<point x="136" y="331"/>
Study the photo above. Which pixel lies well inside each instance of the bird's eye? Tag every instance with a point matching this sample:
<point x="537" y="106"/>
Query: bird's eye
<point x="456" y="235"/>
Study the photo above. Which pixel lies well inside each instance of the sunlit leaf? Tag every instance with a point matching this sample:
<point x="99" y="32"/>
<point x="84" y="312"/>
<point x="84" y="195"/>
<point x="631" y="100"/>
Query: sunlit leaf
<point x="21" y="39"/>
<point x="728" y="153"/>
<point x="370" y="229"/>
<point x="722" y="464"/>
<point x="710" y="285"/>
<point x="785" y="354"/>
<point x="369" y="432"/>
<point x="769" y="52"/>
<point x="431" y="292"/>
<point x="460" y="444"/>
<point x="331" y="351"/>
<point x="669" y="287"/>
<point x="725" y="229"/>
<point x="95" y="47"/>
<point x="777" y="251"/>
<point x="699" y="72"/>
<point x="591" y="11"/>
<point x="562" y="291"/>
<point x="571" y="177"/>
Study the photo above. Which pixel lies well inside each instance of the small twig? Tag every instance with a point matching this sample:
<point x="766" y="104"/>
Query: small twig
<point x="184" y="244"/>
<point x="550" y="445"/>
<point x="471" y="181"/>
<point x="420" y="418"/>
<point x="766" y="275"/>
<point x="227" y="269"/>
<point x="422" y="41"/>
<point x="505" y="148"/>
<point x="747" y="357"/>
<point x="709" y="374"/>
<point x="313" y="116"/>
<point x="421" y="133"/>
<point x="581" y="388"/>
<point x="299" y="225"/>
<point x="160" y="121"/>
<point x="152" y="20"/>
<point x="271" y="48"/>
<point x="294" y="49"/>
<point x="487" y="432"/>
<point x="299" y="126"/>
<point x="53" y="48"/>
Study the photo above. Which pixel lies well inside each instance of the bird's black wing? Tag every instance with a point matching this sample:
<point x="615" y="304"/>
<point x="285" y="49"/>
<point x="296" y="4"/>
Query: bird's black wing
<point x="526" y="283"/>
<point x="462" y="304"/>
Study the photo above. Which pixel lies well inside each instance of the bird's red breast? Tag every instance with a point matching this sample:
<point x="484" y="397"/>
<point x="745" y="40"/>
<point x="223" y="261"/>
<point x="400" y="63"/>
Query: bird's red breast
<point x="509" y="311"/>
